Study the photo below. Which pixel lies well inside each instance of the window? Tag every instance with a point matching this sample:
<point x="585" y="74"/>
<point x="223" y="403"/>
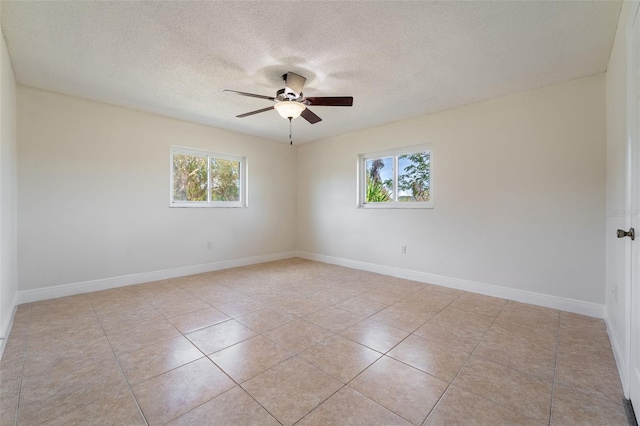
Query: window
<point x="399" y="178"/>
<point x="207" y="179"/>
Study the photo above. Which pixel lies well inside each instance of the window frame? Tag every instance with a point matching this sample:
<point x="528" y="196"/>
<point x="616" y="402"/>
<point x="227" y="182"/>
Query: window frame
<point x="243" y="174"/>
<point x="394" y="153"/>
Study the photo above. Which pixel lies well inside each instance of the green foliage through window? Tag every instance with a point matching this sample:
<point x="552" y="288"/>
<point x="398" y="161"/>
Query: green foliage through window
<point x="414" y="179"/>
<point x="189" y="178"/>
<point x="225" y="180"/>
<point x="198" y="177"/>
<point x="398" y="178"/>
<point x="378" y="189"/>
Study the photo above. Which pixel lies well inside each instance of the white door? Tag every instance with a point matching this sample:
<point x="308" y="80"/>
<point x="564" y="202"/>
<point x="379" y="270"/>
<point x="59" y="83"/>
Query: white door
<point x="634" y="135"/>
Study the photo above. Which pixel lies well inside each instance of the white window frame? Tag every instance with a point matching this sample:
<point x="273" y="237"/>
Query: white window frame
<point x="395" y="153"/>
<point x="209" y="154"/>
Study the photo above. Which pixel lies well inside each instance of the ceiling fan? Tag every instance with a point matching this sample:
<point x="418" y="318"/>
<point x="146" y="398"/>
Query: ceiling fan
<point x="291" y="103"/>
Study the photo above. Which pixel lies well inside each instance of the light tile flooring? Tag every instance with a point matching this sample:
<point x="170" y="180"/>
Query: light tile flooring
<point x="300" y="342"/>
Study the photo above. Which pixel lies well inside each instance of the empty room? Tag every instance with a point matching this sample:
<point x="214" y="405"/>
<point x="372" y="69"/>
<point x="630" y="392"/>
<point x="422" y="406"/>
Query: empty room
<point x="319" y="213"/>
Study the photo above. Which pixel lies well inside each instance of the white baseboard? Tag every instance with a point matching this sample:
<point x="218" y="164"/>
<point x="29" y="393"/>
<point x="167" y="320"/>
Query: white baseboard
<point x="53" y="292"/>
<point x="548" y="301"/>
<point x="569" y="305"/>
<point x="7" y="322"/>
<point x="618" y="353"/>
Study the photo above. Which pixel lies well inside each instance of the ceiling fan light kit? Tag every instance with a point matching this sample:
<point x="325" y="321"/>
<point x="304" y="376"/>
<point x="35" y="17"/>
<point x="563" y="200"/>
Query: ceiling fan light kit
<point x="291" y="103"/>
<point x="289" y="109"/>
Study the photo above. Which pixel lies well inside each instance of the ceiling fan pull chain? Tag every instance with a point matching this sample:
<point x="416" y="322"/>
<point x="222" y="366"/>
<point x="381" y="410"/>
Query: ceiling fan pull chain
<point x="290" y="140"/>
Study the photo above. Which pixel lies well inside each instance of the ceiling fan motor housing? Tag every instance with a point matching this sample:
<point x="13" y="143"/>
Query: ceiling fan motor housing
<point x="287" y="94"/>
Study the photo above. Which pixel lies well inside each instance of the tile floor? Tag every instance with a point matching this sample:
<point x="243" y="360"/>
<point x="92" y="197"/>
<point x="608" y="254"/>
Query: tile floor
<point x="301" y="342"/>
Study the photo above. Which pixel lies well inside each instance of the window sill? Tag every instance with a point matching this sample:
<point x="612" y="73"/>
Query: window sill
<point x="206" y="206"/>
<point x="396" y="206"/>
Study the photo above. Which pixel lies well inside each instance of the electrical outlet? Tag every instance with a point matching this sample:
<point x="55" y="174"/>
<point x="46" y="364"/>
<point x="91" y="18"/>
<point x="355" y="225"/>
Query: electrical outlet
<point x="403" y="250"/>
<point x="209" y="244"/>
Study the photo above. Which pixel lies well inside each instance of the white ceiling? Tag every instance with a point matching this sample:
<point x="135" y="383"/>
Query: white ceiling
<point x="398" y="59"/>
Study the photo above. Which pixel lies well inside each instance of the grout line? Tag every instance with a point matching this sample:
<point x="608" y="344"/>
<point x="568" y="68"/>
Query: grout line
<point x="300" y="282"/>
<point x="463" y="365"/>
<point x="385" y="354"/>
<point x="24" y="361"/>
<point x="555" y="367"/>
<point x="119" y="366"/>
<point x="516" y="368"/>
<point x="238" y="384"/>
<point x="324" y="400"/>
<point x="295" y="354"/>
<point x="504" y="366"/>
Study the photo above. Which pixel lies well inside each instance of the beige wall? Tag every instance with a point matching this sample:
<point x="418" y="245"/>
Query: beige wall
<point x="8" y="182"/>
<point x="93" y="194"/>
<point x="519" y="194"/>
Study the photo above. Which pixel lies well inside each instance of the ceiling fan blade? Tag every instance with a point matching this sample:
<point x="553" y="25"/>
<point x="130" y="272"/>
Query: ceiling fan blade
<point x="246" y="114"/>
<point x="295" y="82"/>
<point x="251" y="95"/>
<point x="310" y="116"/>
<point x="330" y="101"/>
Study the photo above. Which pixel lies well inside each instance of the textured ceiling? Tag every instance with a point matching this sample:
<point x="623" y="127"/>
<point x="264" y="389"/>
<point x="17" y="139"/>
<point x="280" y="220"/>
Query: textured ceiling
<point x="397" y="59"/>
